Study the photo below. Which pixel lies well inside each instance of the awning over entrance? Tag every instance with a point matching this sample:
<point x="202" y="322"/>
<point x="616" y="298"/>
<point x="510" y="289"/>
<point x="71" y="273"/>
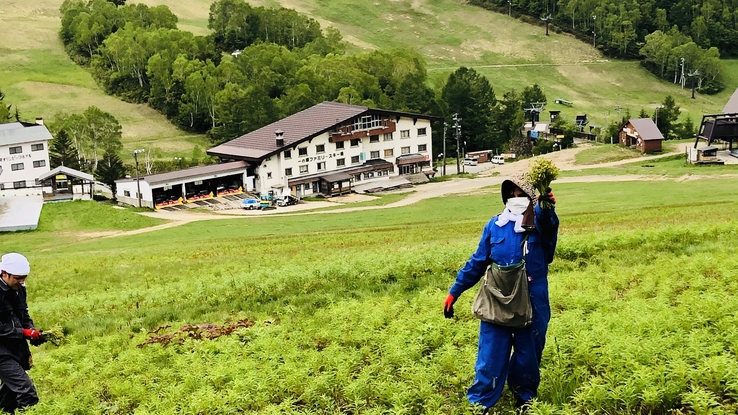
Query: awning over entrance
<point x="336" y="177"/>
<point x="412" y="158"/>
<point x="67" y="171"/>
<point x="342" y="175"/>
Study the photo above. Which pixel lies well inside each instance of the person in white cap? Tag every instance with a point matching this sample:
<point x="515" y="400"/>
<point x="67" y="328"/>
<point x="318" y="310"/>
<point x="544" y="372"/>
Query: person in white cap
<point x="17" y="390"/>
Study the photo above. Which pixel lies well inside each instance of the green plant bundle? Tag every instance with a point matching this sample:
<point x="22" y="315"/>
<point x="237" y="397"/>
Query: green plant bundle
<point x="55" y="335"/>
<point x="542" y="172"/>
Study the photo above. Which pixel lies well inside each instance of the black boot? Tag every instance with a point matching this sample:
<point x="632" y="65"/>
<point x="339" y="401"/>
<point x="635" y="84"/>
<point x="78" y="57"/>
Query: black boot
<point x="521" y="406"/>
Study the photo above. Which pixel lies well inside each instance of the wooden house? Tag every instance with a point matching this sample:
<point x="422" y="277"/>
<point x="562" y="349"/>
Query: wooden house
<point x="642" y="134"/>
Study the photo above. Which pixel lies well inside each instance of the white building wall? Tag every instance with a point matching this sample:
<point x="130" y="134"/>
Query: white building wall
<point x="27" y="158"/>
<point x="272" y="172"/>
<point x="128" y="189"/>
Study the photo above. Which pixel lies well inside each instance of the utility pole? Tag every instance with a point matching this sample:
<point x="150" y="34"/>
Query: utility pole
<point x="594" y="31"/>
<point x="457" y="126"/>
<point x="692" y="74"/>
<point x="657" y="115"/>
<point x="463" y="166"/>
<point x="509" y="7"/>
<point x="138" y="182"/>
<point x="546" y="19"/>
<point x="444" y="147"/>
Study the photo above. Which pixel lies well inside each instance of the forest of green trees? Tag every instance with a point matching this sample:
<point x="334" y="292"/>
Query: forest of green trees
<point x="259" y="65"/>
<point x="283" y="63"/>
<point x="674" y="38"/>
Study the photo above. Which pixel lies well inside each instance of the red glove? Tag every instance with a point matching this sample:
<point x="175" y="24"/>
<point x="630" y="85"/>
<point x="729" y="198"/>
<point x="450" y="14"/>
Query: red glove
<point x="31" y="334"/>
<point x="448" y="306"/>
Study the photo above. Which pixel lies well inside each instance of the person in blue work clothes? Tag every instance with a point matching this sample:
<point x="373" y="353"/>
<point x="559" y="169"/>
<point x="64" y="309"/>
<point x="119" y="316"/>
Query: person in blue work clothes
<point x="503" y="242"/>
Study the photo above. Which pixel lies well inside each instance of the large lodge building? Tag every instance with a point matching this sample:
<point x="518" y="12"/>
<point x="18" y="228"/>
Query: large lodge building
<point x="329" y="147"/>
<point x="326" y="150"/>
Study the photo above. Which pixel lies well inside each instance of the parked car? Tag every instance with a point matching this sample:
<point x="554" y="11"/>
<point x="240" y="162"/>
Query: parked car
<point x="498" y="160"/>
<point x="250" y="204"/>
<point x="287" y="201"/>
<point x="470" y="161"/>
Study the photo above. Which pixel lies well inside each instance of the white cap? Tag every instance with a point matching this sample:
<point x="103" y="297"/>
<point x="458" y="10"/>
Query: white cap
<point x="15" y="264"/>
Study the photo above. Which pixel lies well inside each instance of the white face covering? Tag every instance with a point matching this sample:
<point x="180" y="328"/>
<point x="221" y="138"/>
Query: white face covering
<point x="517" y="205"/>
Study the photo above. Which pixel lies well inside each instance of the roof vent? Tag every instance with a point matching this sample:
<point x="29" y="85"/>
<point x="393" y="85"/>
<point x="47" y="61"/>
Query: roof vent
<point x="280" y="140"/>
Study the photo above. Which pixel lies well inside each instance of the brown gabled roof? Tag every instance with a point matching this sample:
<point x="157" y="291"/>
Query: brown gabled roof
<point x="297" y="127"/>
<point x="732" y="106"/>
<point x="646" y="128"/>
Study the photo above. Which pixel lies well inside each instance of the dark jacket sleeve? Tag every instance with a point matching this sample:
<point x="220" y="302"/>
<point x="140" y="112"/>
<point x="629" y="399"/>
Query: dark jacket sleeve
<point x="547" y="224"/>
<point x="26" y="320"/>
<point x="476" y="265"/>
<point x="10" y="325"/>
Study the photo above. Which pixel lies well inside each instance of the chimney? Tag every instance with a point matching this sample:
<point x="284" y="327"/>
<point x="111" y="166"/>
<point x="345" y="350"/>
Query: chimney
<point x="39" y="121"/>
<point x="280" y="140"/>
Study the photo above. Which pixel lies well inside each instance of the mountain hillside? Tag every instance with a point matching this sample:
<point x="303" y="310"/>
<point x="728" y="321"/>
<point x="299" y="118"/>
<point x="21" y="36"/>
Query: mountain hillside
<point x="39" y="77"/>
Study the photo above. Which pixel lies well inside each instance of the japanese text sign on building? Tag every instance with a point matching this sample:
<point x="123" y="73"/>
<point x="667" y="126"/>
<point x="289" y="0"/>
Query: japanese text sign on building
<point x="320" y="157"/>
<point x="16" y="157"/>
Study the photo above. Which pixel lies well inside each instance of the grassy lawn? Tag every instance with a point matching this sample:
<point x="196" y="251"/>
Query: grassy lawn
<point x="378" y="199"/>
<point x="669" y="166"/>
<point x="63" y="224"/>
<point x="346" y="307"/>
<point x="604" y="153"/>
<point x="37" y="76"/>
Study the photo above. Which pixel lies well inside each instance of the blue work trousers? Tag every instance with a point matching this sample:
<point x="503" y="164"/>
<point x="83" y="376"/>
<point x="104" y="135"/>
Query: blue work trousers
<point x="495" y="363"/>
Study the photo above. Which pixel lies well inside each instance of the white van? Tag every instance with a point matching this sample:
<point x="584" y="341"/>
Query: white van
<point x="469" y="161"/>
<point x="498" y="160"/>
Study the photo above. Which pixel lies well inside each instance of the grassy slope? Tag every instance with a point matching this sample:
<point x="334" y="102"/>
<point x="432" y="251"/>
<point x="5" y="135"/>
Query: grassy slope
<point x="379" y="277"/>
<point x="38" y="77"/>
<point x="511" y="54"/>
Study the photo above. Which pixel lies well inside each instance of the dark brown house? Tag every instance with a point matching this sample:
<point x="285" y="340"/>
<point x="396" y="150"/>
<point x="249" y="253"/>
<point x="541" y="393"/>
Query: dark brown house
<point x="641" y="133"/>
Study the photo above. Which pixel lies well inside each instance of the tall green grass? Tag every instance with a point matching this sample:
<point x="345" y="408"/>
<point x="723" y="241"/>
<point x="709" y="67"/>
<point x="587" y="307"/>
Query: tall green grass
<point x="347" y="309"/>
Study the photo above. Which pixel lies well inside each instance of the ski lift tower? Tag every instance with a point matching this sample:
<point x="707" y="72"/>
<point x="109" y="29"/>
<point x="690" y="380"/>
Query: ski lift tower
<point x="534" y="112"/>
<point x="546" y="19"/>
<point x="581" y="121"/>
<point x="722" y="127"/>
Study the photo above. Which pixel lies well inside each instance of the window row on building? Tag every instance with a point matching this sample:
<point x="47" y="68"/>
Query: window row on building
<point x="20" y="184"/>
<point x="341" y="162"/>
<point x="19" y="149"/>
<point x="320" y="148"/>
<point x="22" y="166"/>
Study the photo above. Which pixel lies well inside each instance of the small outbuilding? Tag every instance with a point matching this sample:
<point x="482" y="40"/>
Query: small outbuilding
<point x="642" y="134"/>
<point x="704" y="155"/>
<point x="482" y="156"/>
<point x="64" y="183"/>
<point x="184" y="186"/>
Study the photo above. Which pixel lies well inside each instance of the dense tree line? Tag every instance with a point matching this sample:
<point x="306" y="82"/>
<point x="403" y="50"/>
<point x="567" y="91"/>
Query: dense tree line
<point x="260" y="65"/>
<point x="621" y="29"/>
<point x="236" y="24"/>
<point x="87" y="136"/>
<point x="666" y="117"/>
<point x="676" y="57"/>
